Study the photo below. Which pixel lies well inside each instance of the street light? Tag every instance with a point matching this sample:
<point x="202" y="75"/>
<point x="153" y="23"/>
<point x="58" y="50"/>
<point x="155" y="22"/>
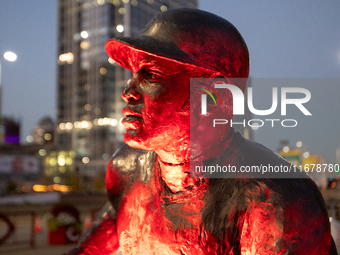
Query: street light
<point x="9" y="56"/>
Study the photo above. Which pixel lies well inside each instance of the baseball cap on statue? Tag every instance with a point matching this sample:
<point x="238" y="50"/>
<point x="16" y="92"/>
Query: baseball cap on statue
<point x="188" y="36"/>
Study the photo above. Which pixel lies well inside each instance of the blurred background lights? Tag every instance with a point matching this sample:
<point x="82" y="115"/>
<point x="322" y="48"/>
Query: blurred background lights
<point x="111" y="61"/>
<point x="40" y="131"/>
<point x="125" y="1"/>
<point x="97" y="111"/>
<point x="106" y="122"/>
<point x="285" y="149"/>
<point x="87" y="87"/>
<point x="134" y="3"/>
<point x="85" y="160"/>
<point x="85" y="45"/>
<point x="66" y="57"/>
<point x="87" y="107"/>
<point x="61" y="160"/>
<point x="69" y="161"/>
<point x="150" y="1"/>
<point x="105" y="156"/>
<point x="52" y="161"/>
<point x="103" y="70"/>
<point x="57" y="179"/>
<point x="299" y="144"/>
<point x="42" y="152"/>
<point x="29" y="138"/>
<point x="164" y="8"/>
<point x="120" y="28"/>
<point x="306" y="154"/>
<point x="84" y="34"/>
<point x="10" y="56"/>
<point x="115" y="2"/>
<point x="113" y="122"/>
<point x="101" y="2"/>
<point x="48" y="136"/>
<point x="69" y="125"/>
<point x="121" y="10"/>
<point x="62" y="126"/>
<point x="255" y="126"/>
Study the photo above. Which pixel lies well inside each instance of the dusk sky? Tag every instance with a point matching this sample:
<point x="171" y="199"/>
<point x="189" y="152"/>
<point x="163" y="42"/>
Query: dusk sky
<point x="286" y="39"/>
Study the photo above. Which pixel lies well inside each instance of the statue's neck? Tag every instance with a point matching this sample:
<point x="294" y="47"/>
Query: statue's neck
<point x="175" y="164"/>
<point x="176" y="176"/>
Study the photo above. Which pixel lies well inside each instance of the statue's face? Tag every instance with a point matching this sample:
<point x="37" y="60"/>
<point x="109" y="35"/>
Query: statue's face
<point x="158" y="106"/>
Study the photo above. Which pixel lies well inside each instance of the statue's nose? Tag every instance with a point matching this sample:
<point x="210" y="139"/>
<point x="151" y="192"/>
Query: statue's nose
<point x="130" y="92"/>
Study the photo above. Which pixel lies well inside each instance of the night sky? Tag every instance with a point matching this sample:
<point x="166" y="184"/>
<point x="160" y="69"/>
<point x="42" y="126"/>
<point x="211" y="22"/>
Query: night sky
<point x="286" y="39"/>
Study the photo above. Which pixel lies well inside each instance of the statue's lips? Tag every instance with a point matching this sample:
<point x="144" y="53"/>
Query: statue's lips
<point x="132" y="120"/>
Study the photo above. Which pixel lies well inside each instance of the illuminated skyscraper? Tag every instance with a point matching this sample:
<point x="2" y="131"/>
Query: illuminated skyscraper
<point x="90" y="84"/>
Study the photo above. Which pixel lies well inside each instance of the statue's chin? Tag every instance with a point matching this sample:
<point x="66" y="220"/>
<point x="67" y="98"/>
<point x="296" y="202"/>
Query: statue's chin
<point x="132" y="139"/>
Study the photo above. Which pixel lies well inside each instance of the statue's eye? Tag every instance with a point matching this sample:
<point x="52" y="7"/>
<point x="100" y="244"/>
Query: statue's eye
<point x="155" y="76"/>
<point x="151" y="76"/>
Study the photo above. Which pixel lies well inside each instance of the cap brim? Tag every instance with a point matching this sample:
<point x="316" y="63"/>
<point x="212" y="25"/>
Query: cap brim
<point x="125" y="51"/>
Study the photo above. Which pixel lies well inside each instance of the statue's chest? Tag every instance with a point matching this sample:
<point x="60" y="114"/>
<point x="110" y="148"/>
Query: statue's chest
<point x="148" y="223"/>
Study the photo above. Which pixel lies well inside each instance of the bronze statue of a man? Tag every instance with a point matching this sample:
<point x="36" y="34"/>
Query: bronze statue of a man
<point x="158" y="207"/>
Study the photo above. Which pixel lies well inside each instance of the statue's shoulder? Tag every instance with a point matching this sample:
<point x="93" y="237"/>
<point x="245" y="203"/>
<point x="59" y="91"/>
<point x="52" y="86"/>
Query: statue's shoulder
<point x="126" y="166"/>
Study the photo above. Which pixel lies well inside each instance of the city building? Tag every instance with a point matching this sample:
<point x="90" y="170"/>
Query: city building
<point x="90" y="84"/>
<point x="9" y="131"/>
